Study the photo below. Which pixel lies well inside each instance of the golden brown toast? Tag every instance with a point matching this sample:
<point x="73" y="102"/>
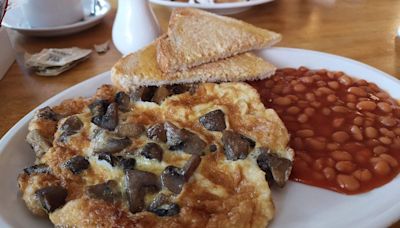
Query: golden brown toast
<point x="141" y="69"/>
<point x="196" y="37"/>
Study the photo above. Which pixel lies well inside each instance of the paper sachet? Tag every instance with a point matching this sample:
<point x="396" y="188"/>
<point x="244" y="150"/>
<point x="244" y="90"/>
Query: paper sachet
<point x="54" y="61"/>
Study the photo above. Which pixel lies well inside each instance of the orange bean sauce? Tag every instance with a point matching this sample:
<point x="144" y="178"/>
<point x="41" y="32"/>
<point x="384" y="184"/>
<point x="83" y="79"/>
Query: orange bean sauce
<point x="345" y="132"/>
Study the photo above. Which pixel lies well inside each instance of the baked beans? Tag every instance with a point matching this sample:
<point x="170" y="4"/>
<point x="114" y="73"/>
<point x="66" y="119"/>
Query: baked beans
<point x="345" y="132"/>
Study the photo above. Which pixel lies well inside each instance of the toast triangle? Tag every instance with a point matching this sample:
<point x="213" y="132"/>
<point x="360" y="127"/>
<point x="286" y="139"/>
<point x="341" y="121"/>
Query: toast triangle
<point x="196" y="37"/>
<point x="141" y="69"/>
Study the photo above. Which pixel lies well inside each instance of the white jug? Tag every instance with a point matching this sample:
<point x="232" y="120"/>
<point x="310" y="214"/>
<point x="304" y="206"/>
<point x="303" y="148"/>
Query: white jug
<point x="135" y="26"/>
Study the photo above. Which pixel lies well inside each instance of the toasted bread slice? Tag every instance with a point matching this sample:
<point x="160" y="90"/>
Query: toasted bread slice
<point x="141" y="69"/>
<point x="196" y="37"/>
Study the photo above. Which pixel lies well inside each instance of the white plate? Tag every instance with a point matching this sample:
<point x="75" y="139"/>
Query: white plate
<point x="15" y="19"/>
<point x="220" y="8"/>
<point x="297" y="205"/>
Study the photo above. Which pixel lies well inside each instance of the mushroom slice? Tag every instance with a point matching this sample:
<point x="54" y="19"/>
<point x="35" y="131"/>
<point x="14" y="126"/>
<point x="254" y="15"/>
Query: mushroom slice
<point x="152" y="151"/>
<point x="278" y="167"/>
<point x="126" y="163"/>
<point x="110" y="119"/>
<point x="143" y="93"/>
<point x="39" y="143"/>
<point x="175" y="135"/>
<point x="178" y="88"/>
<point x="40" y="168"/>
<point x="214" y="120"/>
<point x="251" y="142"/>
<point x="77" y="164"/>
<point x="105" y="141"/>
<point x="137" y="183"/>
<point x="98" y="108"/>
<point x="105" y="115"/>
<point x="108" y="157"/>
<point x="235" y="145"/>
<point x="194" y="145"/>
<point x="161" y="93"/>
<point x="70" y="127"/>
<point x="123" y="101"/>
<point x="52" y="197"/>
<point x="191" y="166"/>
<point x="183" y="139"/>
<point x="161" y="207"/>
<point x="129" y="130"/>
<point x="173" y="179"/>
<point x="48" y="114"/>
<point x="107" y="191"/>
<point x="157" y="132"/>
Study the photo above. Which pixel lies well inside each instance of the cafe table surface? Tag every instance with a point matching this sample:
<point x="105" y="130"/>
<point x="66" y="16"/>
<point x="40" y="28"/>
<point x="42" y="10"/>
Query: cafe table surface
<point x="362" y="30"/>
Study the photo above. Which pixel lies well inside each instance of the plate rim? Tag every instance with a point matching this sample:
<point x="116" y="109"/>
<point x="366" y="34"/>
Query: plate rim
<point x="210" y="5"/>
<point x="386" y="217"/>
<point x="89" y="20"/>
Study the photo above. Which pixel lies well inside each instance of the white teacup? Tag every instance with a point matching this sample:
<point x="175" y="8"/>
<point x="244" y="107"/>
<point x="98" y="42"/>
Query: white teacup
<point x="51" y="13"/>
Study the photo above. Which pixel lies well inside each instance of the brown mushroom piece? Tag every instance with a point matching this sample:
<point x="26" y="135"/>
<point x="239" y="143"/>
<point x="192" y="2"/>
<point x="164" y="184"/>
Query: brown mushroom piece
<point x="157" y="132"/>
<point x="39" y="168"/>
<point x="161" y="93"/>
<point x="39" y="143"/>
<point x="71" y="126"/>
<point x="108" y="142"/>
<point x="279" y="168"/>
<point x="107" y="191"/>
<point x="194" y="145"/>
<point x="214" y="120"/>
<point x="173" y="178"/>
<point x="77" y="164"/>
<point x="175" y="135"/>
<point x="108" y="157"/>
<point x="137" y="183"/>
<point x="236" y="146"/>
<point x="48" y="114"/>
<point x="123" y="101"/>
<point x="129" y="130"/>
<point x="143" y="93"/>
<point x="52" y="197"/>
<point x="161" y="207"/>
<point x="110" y="119"/>
<point x="152" y="151"/>
<point x="178" y="88"/>
<point x="191" y="166"/>
<point x="182" y="139"/>
<point x="98" y="108"/>
<point x="126" y="163"/>
<point x="251" y="142"/>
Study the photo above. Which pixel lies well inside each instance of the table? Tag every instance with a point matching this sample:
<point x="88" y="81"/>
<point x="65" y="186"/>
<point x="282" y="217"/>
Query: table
<point x="361" y="30"/>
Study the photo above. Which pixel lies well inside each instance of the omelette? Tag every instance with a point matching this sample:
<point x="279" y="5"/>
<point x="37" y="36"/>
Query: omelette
<point x="198" y="155"/>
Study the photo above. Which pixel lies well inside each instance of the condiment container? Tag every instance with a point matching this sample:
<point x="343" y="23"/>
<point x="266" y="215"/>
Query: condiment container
<point x="135" y="26"/>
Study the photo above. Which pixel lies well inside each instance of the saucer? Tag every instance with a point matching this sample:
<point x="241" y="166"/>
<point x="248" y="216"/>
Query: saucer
<point x="15" y="20"/>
